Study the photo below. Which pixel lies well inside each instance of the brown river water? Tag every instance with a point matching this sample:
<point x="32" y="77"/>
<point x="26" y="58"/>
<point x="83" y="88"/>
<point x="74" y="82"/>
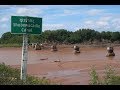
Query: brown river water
<point x="73" y="69"/>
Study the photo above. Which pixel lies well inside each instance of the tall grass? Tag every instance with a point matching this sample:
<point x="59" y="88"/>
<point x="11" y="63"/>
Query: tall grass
<point x="110" y="77"/>
<point x="11" y="76"/>
<point x="94" y="77"/>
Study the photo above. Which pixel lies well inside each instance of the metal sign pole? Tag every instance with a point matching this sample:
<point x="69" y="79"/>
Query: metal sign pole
<point x="19" y="25"/>
<point x="24" y="57"/>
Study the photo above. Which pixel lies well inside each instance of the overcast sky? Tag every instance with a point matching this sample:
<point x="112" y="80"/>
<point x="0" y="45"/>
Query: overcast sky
<point x="70" y="17"/>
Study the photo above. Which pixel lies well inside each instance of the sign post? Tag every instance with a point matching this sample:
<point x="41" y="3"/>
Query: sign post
<point x="24" y="57"/>
<point x="25" y="25"/>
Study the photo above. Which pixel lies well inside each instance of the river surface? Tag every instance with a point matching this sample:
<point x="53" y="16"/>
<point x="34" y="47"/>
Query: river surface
<point x="72" y="68"/>
<point x="12" y="56"/>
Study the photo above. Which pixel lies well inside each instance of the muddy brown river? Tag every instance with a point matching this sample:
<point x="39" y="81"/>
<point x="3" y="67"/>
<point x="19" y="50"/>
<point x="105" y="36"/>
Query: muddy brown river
<point x="73" y="69"/>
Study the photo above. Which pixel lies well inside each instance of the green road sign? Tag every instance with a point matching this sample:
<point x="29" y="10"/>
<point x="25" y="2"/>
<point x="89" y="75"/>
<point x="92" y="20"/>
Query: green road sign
<point x="26" y="25"/>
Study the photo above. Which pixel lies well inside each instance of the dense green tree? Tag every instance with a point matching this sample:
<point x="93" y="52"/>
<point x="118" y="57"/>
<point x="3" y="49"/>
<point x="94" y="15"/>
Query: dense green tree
<point x="115" y="36"/>
<point x="106" y="35"/>
<point x="11" y="38"/>
<point x="62" y="36"/>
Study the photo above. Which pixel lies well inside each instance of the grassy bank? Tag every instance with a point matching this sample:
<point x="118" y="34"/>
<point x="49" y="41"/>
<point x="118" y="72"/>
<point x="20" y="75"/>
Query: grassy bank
<point x="10" y="45"/>
<point x="11" y="76"/>
<point x="110" y="77"/>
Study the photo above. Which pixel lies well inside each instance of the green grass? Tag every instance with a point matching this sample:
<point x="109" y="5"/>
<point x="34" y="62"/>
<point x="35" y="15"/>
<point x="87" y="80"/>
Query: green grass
<point x="94" y="77"/>
<point x="110" y="77"/>
<point x="11" y="76"/>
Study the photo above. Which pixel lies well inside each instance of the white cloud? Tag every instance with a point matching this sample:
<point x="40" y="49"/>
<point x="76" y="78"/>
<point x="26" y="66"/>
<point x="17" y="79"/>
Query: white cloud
<point x="48" y="18"/>
<point x="95" y="12"/>
<point x="102" y="23"/>
<point x="68" y="12"/>
<point x="28" y="11"/>
<point x="71" y="12"/>
<point x="116" y="20"/>
<point x="61" y="7"/>
<point x="88" y="22"/>
<point x="22" y="10"/>
<point x="116" y="23"/>
<point x="53" y="26"/>
<point x="4" y="19"/>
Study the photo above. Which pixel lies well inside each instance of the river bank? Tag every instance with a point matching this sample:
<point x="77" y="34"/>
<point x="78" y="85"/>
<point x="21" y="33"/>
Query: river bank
<point x="65" y="45"/>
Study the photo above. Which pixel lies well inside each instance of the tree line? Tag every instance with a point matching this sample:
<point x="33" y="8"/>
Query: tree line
<point x="63" y="36"/>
